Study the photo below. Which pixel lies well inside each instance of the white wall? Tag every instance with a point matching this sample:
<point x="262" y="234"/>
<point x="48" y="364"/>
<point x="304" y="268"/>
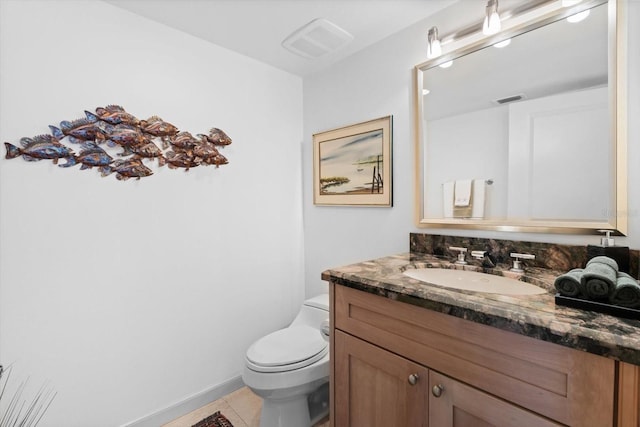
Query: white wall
<point x="372" y="84"/>
<point x="481" y="139"/>
<point x="376" y="82"/>
<point x="131" y="296"/>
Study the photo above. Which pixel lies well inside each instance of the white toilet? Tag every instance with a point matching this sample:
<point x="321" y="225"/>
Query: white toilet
<point x="289" y="368"/>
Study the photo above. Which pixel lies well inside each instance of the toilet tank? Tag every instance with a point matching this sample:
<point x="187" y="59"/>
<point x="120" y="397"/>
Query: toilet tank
<point x="313" y="312"/>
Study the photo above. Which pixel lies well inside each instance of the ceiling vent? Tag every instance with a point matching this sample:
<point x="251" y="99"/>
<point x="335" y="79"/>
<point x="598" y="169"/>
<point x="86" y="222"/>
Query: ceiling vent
<point x="317" y="38"/>
<point x="511" y="98"/>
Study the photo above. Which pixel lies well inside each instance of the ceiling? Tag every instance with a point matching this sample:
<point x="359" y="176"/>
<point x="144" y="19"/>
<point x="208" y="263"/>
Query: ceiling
<point x="256" y="28"/>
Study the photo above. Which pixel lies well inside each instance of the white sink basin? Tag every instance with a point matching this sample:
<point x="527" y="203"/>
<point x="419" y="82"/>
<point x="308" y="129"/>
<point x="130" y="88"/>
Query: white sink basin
<point x="473" y="281"/>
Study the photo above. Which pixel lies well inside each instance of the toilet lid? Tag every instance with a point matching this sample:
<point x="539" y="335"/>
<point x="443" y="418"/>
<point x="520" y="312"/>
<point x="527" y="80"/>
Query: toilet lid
<point x="287" y="349"/>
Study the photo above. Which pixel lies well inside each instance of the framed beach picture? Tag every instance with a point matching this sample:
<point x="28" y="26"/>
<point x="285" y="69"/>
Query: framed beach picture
<point x="352" y="164"/>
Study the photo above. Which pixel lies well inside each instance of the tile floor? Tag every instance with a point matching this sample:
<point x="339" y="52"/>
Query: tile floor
<point x="242" y="408"/>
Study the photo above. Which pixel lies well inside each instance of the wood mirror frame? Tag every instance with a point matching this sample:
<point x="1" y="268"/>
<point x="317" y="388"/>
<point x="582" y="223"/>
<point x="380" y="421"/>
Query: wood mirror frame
<point x="525" y="22"/>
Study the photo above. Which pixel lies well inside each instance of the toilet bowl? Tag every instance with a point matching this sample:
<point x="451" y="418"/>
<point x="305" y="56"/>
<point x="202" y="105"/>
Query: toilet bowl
<point x="289" y="368"/>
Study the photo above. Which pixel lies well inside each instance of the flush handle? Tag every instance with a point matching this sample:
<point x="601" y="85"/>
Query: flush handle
<point x="437" y="390"/>
<point x="325" y="329"/>
<point x="413" y="379"/>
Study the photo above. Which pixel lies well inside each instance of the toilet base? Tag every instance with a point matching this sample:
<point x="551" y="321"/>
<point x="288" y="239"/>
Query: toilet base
<point x="301" y="410"/>
<point x="318" y="402"/>
<point x="285" y="413"/>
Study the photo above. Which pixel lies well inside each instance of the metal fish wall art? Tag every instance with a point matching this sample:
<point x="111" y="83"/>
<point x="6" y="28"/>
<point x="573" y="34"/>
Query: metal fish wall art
<point x="112" y="133"/>
<point x="40" y="147"/>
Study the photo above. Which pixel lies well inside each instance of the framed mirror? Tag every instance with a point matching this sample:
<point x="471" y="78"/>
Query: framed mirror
<point x="529" y="137"/>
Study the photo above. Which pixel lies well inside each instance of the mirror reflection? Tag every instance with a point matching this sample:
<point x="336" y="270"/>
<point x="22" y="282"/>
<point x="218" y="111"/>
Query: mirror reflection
<point x="522" y="132"/>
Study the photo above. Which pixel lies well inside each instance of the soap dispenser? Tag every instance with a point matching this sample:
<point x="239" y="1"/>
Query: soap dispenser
<point x="608" y="248"/>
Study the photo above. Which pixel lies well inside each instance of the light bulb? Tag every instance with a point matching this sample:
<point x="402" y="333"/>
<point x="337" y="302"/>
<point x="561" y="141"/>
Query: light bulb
<point x="491" y="24"/>
<point x="433" y="44"/>
<point x="578" y="16"/>
<point x="433" y="49"/>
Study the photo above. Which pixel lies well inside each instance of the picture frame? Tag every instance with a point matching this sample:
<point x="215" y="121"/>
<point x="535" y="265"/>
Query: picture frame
<point x="352" y="165"/>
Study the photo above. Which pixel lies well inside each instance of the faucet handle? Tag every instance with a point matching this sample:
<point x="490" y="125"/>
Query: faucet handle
<point x="459" y="249"/>
<point x="461" y="252"/>
<point x="517" y="262"/>
<point x="478" y="254"/>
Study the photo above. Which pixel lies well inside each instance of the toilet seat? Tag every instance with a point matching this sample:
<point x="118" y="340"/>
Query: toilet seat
<point x="287" y="349"/>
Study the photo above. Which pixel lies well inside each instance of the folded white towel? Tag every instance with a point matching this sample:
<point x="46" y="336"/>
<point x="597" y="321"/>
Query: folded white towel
<point x="447" y="199"/>
<point x="479" y="190"/>
<point x="477" y="200"/>
<point x="462" y="192"/>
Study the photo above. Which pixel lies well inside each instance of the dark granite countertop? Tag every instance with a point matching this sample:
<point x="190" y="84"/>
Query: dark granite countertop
<point x="536" y="316"/>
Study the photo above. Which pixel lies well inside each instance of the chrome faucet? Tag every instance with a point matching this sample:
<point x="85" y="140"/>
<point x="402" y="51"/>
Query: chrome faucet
<point x="461" y="252"/>
<point x="517" y="262"/>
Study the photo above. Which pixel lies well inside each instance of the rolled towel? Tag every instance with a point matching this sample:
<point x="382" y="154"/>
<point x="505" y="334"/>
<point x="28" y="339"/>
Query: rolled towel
<point x="599" y="279"/>
<point x="569" y="284"/>
<point x="626" y="292"/>
<point x="604" y="260"/>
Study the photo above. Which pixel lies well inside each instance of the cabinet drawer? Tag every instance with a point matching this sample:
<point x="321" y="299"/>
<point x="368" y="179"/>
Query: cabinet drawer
<point x="566" y="385"/>
<point x="459" y="405"/>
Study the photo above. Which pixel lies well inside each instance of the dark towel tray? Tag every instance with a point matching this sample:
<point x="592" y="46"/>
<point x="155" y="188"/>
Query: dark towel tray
<point x="600" y="307"/>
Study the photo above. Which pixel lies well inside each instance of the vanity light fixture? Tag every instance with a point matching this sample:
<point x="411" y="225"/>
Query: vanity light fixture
<point x="433" y="43"/>
<point x="491" y="23"/>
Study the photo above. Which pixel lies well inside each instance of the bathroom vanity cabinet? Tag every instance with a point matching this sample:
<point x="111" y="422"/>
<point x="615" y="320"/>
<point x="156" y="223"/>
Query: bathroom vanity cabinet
<point x="397" y="364"/>
<point x="376" y="387"/>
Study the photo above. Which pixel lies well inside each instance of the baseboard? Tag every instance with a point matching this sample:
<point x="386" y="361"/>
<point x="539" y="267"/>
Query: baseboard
<point x="189" y="404"/>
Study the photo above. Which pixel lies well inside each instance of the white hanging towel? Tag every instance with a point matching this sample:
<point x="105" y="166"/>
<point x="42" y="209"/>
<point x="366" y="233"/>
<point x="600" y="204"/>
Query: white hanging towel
<point x="447" y="199"/>
<point x="462" y="192"/>
<point x="474" y="208"/>
<point x="479" y="193"/>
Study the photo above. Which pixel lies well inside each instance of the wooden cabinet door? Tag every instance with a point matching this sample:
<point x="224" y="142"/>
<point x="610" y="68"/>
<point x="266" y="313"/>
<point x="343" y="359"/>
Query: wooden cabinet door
<point x="628" y="395"/>
<point x="372" y="387"/>
<point x="454" y="404"/>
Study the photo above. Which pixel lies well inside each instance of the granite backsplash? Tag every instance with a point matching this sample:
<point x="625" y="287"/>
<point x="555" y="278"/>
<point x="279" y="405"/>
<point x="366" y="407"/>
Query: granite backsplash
<point x="548" y="255"/>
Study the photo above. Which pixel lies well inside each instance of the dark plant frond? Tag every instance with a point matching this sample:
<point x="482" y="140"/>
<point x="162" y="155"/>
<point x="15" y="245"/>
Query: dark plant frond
<point x="4" y="385"/>
<point x="18" y="413"/>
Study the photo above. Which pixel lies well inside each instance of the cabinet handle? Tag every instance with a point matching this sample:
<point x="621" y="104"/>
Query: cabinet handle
<point x="413" y="379"/>
<point x="437" y="390"/>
